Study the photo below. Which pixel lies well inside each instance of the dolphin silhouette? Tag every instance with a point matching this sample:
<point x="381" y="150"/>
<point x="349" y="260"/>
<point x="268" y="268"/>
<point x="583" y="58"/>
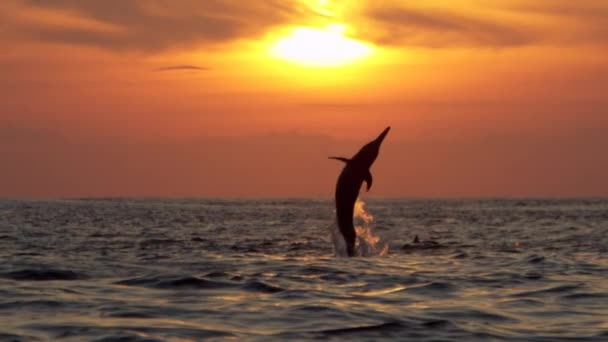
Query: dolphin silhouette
<point x="349" y="182"/>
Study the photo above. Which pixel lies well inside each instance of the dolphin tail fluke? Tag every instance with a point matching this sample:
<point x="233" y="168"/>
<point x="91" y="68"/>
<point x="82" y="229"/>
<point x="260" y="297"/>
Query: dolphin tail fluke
<point x="369" y="180"/>
<point x="346" y="160"/>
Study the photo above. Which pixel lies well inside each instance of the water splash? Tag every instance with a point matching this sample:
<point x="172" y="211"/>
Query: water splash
<point x="367" y="243"/>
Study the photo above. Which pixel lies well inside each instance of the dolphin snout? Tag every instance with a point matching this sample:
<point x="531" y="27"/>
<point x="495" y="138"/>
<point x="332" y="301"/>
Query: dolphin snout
<point x="382" y="135"/>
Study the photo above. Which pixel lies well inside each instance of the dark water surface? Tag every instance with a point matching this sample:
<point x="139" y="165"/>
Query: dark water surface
<point x="188" y="270"/>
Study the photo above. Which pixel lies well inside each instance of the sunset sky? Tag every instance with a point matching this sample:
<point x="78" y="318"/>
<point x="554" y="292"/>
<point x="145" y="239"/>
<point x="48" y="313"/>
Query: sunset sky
<point x="231" y="98"/>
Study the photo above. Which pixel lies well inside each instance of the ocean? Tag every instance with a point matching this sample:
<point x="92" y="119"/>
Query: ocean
<point x="271" y="270"/>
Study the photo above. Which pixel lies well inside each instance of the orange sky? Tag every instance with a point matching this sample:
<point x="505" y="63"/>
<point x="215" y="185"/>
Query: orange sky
<point x="165" y="98"/>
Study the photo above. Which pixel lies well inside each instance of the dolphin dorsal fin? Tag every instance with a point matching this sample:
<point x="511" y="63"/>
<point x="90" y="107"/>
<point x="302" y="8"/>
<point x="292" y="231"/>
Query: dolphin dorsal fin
<point x="346" y="160"/>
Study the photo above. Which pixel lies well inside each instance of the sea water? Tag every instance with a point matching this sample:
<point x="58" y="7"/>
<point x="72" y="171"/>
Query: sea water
<point x="205" y="269"/>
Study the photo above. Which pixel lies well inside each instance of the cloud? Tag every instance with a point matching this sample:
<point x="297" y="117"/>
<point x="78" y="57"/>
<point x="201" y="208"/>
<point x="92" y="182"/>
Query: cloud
<point x="442" y="28"/>
<point x="148" y="25"/>
<point x="571" y="22"/>
<point x="498" y="23"/>
<point x="181" y="67"/>
<point x="156" y="25"/>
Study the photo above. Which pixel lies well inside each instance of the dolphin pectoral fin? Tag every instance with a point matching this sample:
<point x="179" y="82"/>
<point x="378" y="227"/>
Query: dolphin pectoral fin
<point x="346" y="160"/>
<point x="368" y="180"/>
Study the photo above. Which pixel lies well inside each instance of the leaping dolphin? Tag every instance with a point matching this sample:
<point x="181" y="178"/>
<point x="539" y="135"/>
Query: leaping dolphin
<point x="349" y="182"/>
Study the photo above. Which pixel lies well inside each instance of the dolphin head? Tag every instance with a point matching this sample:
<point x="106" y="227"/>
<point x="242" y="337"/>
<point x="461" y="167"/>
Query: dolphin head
<point x="367" y="155"/>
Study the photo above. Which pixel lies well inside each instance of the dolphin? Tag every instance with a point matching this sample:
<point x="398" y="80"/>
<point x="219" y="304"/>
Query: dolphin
<point x="355" y="172"/>
<point x="418" y="244"/>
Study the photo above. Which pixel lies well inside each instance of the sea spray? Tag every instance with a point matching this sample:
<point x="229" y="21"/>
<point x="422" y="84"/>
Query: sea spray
<point x="368" y="243"/>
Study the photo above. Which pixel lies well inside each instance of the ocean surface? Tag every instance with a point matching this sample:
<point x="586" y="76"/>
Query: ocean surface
<point x="264" y="270"/>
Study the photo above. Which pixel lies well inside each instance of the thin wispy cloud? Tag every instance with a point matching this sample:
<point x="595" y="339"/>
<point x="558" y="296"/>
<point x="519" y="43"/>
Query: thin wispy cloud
<point x="182" y="67"/>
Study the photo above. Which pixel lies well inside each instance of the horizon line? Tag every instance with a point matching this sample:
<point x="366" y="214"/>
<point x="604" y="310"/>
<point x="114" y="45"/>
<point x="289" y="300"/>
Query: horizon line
<point x="188" y="197"/>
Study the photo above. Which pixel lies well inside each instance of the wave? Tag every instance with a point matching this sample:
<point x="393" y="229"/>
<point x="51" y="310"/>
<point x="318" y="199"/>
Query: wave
<point x="38" y="304"/>
<point x="469" y="315"/>
<point x="125" y="337"/>
<point x="16" y="338"/>
<point x="155" y="242"/>
<point x="382" y="327"/>
<point x="126" y="333"/>
<point x="260" y="286"/>
<point x="548" y="291"/>
<point x="587" y="297"/>
<point x="398" y="329"/>
<point x="174" y="282"/>
<point x="432" y="289"/>
<point x="44" y="274"/>
<point x="165" y="282"/>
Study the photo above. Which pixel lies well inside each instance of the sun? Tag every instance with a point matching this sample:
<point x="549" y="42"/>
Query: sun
<point x="320" y="47"/>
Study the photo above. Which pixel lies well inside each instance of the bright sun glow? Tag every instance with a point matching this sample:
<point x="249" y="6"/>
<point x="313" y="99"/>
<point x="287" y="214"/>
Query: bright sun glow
<point x="320" y="47"/>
